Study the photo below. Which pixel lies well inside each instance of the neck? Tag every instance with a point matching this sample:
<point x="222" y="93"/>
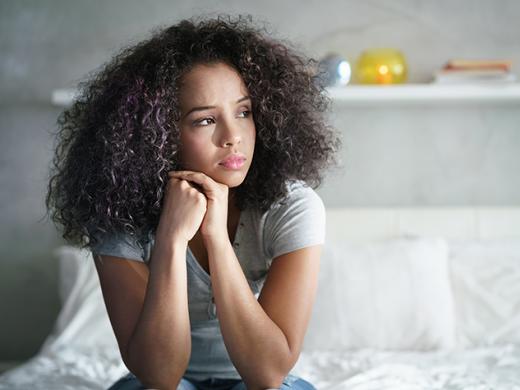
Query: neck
<point x="231" y="199"/>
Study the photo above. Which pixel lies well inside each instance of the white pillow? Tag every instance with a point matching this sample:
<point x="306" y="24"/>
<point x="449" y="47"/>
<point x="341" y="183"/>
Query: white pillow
<point x="486" y="286"/>
<point x="388" y="294"/>
<point x="83" y="319"/>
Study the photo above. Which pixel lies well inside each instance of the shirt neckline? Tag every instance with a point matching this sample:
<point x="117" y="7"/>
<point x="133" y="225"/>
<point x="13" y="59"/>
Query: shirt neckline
<point x="195" y="265"/>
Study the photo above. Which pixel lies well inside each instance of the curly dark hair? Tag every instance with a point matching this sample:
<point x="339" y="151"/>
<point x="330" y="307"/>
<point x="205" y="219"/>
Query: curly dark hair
<point x="118" y="140"/>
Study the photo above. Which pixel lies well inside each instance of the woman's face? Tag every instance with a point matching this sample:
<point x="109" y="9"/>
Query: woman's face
<point x="216" y="123"/>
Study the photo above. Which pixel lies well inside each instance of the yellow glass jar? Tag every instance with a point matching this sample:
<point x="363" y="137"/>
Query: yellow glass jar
<point x="380" y="66"/>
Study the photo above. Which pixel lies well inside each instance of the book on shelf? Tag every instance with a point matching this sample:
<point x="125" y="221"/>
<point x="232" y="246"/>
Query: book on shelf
<point x="475" y="71"/>
<point x="479" y="64"/>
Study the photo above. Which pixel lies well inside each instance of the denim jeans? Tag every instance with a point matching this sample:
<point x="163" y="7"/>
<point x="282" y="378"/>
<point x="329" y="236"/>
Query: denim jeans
<point x="130" y="382"/>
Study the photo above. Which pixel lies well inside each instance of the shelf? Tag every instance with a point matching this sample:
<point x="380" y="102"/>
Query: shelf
<point x="63" y="97"/>
<point x="403" y="93"/>
<point x="426" y="93"/>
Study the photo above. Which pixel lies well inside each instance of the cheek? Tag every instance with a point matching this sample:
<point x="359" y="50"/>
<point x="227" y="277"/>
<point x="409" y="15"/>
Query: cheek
<point x="252" y="139"/>
<point x="195" y="148"/>
<point x="189" y="139"/>
<point x="251" y="133"/>
<point x="192" y="144"/>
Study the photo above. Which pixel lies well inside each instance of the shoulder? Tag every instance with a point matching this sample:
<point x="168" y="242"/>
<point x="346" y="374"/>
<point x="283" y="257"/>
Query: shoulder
<point x="295" y="221"/>
<point x="119" y="244"/>
<point x="300" y="197"/>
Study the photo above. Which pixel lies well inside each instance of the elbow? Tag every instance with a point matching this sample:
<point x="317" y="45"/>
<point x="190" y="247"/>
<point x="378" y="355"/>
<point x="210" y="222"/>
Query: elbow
<point x="158" y="376"/>
<point x="280" y="372"/>
<point x="169" y="384"/>
<point x="276" y="383"/>
<point x="269" y="382"/>
<point x="275" y="376"/>
<point x="163" y="380"/>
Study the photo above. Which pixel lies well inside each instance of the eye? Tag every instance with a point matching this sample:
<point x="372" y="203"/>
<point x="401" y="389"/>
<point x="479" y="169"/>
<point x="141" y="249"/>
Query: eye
<point x="199" y="122"/>
<point x="248" y="112"/>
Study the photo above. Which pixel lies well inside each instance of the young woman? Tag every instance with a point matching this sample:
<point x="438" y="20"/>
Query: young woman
<point x="187" y="166"/>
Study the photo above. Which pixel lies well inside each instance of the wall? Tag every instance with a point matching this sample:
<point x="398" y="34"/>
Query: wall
<point x="442" y="155"/>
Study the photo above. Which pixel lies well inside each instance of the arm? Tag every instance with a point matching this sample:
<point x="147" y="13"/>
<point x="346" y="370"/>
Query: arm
<point x="148" y="308"/>
<point x="142" y="317"/>
<point x="159" y="349"/>
<point x="272" y="328"/>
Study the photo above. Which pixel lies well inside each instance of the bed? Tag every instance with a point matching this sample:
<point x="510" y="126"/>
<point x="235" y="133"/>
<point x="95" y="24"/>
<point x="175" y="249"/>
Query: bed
<point x="408" y="298"/>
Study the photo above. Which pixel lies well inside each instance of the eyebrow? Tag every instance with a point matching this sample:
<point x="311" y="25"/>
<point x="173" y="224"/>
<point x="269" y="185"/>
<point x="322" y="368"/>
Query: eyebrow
<point x="202" y="108"/>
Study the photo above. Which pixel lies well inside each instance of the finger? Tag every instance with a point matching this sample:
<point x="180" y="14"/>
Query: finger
<point x="177" y="173"/>
<point x="189" y="183"/>
<point x="175" y="178"/>
<point x="198" y="187"/>
<point x="206" y="182"/>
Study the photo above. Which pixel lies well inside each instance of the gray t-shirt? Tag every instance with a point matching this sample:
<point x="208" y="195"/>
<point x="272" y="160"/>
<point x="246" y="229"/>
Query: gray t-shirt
<point x="295" y="222"/>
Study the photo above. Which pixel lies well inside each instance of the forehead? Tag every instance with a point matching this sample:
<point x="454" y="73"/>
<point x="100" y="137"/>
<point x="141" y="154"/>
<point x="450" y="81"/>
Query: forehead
<point x="206" y="83"/>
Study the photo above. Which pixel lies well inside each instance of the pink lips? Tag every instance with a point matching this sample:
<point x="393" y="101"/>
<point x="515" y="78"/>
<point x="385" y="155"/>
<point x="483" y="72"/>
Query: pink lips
<point x="233" y="162"/>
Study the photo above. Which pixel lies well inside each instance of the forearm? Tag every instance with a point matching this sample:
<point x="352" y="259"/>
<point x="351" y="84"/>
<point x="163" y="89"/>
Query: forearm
<point x="246" y="328"/>
<point x="160" y="347"/>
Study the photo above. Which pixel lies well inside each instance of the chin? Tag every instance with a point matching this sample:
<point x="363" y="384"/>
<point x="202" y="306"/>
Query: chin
<point x="230" y="181"/>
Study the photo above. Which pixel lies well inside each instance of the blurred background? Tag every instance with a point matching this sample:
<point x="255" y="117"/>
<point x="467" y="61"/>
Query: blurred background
<point x="432" y="152"/>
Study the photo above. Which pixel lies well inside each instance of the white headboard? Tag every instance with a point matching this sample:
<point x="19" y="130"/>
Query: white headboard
<point x="358" y="224"/>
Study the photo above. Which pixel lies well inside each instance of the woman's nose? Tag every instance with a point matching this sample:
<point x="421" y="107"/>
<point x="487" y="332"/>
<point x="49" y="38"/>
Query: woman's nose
<point x="230" y="135"/>
<point x="231" y="141"/>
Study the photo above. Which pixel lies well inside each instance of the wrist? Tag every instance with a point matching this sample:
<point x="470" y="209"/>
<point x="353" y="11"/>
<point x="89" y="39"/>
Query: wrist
<point x="171" y="242"/>
<point x="216" y="239"/>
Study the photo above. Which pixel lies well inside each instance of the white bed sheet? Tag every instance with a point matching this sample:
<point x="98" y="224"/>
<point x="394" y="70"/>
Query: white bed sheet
<point x="484" y="368"/>
<point x="81" y="352"/>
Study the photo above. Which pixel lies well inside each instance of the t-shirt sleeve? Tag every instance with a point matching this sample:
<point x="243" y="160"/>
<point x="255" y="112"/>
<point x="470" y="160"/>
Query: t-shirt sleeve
<point x="296" y="223"/>
<point x="118" y="244"/>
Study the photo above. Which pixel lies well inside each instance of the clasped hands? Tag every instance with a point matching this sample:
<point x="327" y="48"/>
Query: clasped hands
<point x="214" y="224"/>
